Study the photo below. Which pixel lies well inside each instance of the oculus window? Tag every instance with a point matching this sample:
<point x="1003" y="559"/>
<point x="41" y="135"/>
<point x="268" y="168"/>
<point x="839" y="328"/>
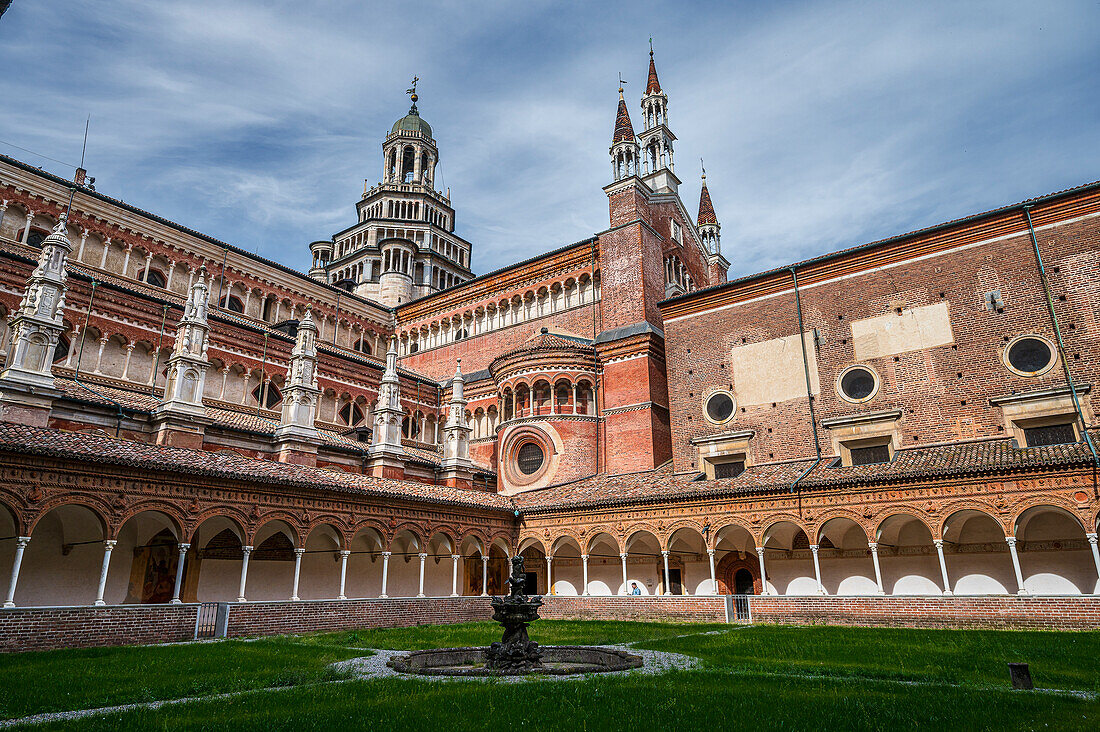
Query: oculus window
<point x="857" y="384"/>
<point x="529" y="459"/>
<point x="1029" y="355"/>
<point x="719" y="407"/>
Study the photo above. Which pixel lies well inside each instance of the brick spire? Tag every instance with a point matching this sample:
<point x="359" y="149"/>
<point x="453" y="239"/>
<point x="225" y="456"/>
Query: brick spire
<point x="654" y="86"/>
<point x="706" y="208"/>
<point x="624" y="131"/>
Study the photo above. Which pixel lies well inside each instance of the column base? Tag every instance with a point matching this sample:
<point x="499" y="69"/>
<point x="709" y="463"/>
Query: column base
<point x="9" y="604"/>
<point x="484" y="594"/>
<point x="341" y="597"/>
<point x="1022" y="592"/>
<point x="948" y="593"/>
<point x="241" y="599"/>
<point x="176" y="601"/>
<point x="99" y="603"/>
<point x="295" y="599"/>
<point x="383" y="597"/>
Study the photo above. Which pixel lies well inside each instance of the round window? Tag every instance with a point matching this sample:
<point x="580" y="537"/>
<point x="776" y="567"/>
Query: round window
<point x="719" y="407"/>
<point x="857" y="384"/>
<point x="530" y="458"/>
<point x="1029" y="355"/>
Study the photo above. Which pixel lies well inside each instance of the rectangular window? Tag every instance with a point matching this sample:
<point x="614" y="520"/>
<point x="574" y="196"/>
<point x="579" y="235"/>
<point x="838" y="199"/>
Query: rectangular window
<point x="729" y="470"/>
<point x="870" y="455"/>
<point x="677" y="235"/>
<point x="1053" y="434"/>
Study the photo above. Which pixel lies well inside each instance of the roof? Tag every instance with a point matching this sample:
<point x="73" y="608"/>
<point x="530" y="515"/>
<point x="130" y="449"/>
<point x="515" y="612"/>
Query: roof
<point x="706" y="208"/>
<point x="19" y="438"/>
<point x="412" y="122"/>
<point x="945" y="461"/>
<point x="654" y="86"/>
<point x="624" y="131"/>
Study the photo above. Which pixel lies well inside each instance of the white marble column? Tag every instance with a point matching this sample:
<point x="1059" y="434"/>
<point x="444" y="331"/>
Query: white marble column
<point x="247" y="550"/>
<point x="943" y="566"/>
<point x="817" y="570"/>
<point x="178" y="587"/>
<point x="1011" y="541"/>
<point x="873" y="546"/>
<point x="484" y="576"/>
<point x="1095" y="551"/>
<point x="713" y="578"/>
<point x="549" y="574"/>
<point x="385" y="571"/>
<point x="27" y="229"/>
<point x="584" y="569"/>
<point x="423" y="557"/>
<point x="626" y="590"/>
<point x="126" y="261"/>
<point x="99" y="356"/>
<point x="454" y="574"/>
<point x="297" y="573"/>
<point x="108" y="547"/>
<point x="668" y="586"/>
<point x="20" y="546"/>
<point x="763" y="574"/>
<point x="344" y="554"/>
<point x="129" y="354"/>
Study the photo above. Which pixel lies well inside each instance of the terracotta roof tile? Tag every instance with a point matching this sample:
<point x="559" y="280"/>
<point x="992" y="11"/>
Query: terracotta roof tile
<point x="653" y="86"/>
<point x="706" y="208"/>
<point x="624" y="131"/>
<point x="19" y="438"/>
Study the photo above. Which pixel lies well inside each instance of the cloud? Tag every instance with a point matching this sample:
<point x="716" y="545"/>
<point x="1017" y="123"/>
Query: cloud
<point x="823" y="125"/>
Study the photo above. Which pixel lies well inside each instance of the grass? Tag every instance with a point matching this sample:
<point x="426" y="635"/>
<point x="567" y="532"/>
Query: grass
<point x="1058" y="660"/>
<point x="759" y="677"/>
<point x="95" y="677"/>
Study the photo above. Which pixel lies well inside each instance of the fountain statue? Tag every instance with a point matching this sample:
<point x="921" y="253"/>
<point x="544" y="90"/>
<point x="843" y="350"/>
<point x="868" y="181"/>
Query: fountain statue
<point x="515" y="653"/>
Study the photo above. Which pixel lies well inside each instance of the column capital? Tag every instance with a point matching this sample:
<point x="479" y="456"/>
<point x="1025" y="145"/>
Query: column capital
<point x="456" y="557"/>
<point x="1091" y="536"/>
<point x="389" y="554"/>
<point x="22" y="540"/>
<point x="664" y="552"/>
<point x="247" y="549"/>
<point x="938" y="543"/>
<point x="622" y="555"/>
<point x="710" y="552"/>
<point x="760" y="550"/>
<point x="183" y="547"/>
<point x="300" y="551"/>
<point x="345" y="552"/>
<point x="584" y="557"/>
<point x="813" y="548"/>
<point x="485" y="560"/>
<point x="872" y="545"/>
<point x="110" y="544"/>
<point x="1010" y="540"/>
<point x="422" y="555"/>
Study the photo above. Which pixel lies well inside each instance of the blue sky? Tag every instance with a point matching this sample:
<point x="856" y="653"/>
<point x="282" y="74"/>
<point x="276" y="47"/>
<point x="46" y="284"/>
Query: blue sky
<point x="823" y="125"/>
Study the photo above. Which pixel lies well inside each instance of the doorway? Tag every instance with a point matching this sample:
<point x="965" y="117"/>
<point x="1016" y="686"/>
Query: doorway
<point x="743" y="583"/>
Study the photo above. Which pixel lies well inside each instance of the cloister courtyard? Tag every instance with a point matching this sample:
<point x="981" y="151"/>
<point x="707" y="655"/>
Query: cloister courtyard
<point x="732" y="677"/>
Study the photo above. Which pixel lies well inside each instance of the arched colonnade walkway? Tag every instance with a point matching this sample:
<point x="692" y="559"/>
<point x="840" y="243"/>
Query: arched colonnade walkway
<point x="1042" y="550"/>
<point x="72" y="555"/>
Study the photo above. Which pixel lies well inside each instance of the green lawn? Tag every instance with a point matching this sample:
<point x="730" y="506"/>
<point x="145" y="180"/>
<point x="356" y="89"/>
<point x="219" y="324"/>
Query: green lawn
<point x="760" y="677"/>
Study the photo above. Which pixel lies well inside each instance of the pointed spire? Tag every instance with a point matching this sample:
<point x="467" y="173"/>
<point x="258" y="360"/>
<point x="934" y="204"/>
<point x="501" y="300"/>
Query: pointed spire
<point x="624" y="130"/>
<point x="654" y="86"/>
<point x="706" y="207"/>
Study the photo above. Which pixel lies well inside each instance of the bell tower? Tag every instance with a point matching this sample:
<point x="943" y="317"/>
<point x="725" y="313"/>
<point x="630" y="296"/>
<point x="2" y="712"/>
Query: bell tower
<point x="655" y="139"/>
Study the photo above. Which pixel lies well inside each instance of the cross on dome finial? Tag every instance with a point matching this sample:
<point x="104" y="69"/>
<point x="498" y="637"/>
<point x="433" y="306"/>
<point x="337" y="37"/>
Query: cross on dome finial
<point x="411" y="91"/>
<point x="651" y="46"/>
<point x="704" y="169"/>
<point x="621" y="82"/>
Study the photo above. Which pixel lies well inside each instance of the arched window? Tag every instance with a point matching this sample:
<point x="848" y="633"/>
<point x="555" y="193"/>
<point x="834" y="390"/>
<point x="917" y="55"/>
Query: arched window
<point x="363" y="346"/>
<point x="156" y="278"/>
<point x="36" y="237"/>
<point x="62" y="350"/>
<point x="273" y="396"/>
<point x="414" y="347"/>
<point x="269" y="308"/>
<point x="233" y="303"/>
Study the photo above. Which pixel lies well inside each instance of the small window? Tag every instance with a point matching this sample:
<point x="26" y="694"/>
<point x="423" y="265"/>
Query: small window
<point x="156" y="278"/>
<point x="530" y="458"/>
<point x="1052" y="434"/>
<point x="857" y="384"/>
<point x="719" y="407"/>
<point x="233" y="304"/>
<point x="729" y="470"/>
<point x="273" y="396"/>
<point x="413" y="348"/>
<point x="870" y="455"/>
<point x="1029" y="355"/>
<point x="351" y="414"/>
<point x="36" y="237"/>
<point x="363" y="346"/>
<point x="62" y="351"/>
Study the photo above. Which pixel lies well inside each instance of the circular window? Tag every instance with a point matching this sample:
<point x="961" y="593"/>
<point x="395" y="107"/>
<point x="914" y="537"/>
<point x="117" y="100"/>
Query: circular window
<point x="857" y="384"/>
<point x="719" y="407"/>
<point x="530" y="458"/>
<point x="1029" y="355"/>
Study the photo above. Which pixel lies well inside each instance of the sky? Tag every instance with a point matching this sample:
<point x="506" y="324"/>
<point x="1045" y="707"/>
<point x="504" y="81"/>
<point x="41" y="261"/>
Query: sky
<point x="822" y="125"/>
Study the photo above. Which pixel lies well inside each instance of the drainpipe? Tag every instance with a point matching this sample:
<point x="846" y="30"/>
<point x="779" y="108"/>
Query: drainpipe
<point x="80" y="354"/>
<point x="1062" y="347"/>
<point x="809" y="389"/>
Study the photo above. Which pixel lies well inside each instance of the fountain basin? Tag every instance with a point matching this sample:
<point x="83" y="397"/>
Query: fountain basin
<point x="556" y="661"/>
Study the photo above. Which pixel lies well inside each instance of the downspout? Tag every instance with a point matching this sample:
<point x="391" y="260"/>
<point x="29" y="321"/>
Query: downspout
<point x="80" y="355"/>
<point x="263" y="378"/>
<point x="1061" y="346"/>
<point x="160" y="342"/>
<point x="809" y="389"/>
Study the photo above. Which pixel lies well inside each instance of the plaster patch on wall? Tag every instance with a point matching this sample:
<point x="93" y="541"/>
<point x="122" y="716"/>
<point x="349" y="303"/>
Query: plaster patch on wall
<point x="916" y="329"/>
<point x="772" y="371"/>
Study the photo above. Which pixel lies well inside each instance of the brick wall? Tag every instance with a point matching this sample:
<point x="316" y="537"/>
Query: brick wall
<point x="46" y="628"/>
<point x="277" y="618"/>
<point x="701" y="609"/>
<point x="1060" y="613"/>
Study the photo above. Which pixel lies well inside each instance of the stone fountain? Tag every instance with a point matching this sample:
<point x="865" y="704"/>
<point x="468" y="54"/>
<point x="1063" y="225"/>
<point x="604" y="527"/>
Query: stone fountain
<point x="515" y="654"/>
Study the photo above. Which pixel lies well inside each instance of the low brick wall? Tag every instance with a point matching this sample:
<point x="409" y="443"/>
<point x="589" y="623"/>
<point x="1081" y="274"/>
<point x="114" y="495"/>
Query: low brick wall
<point x="1050" y="613"/>
<point x="46" y="628"/>
<point x="699" y="609"/>
<point x="306" y="616"/>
